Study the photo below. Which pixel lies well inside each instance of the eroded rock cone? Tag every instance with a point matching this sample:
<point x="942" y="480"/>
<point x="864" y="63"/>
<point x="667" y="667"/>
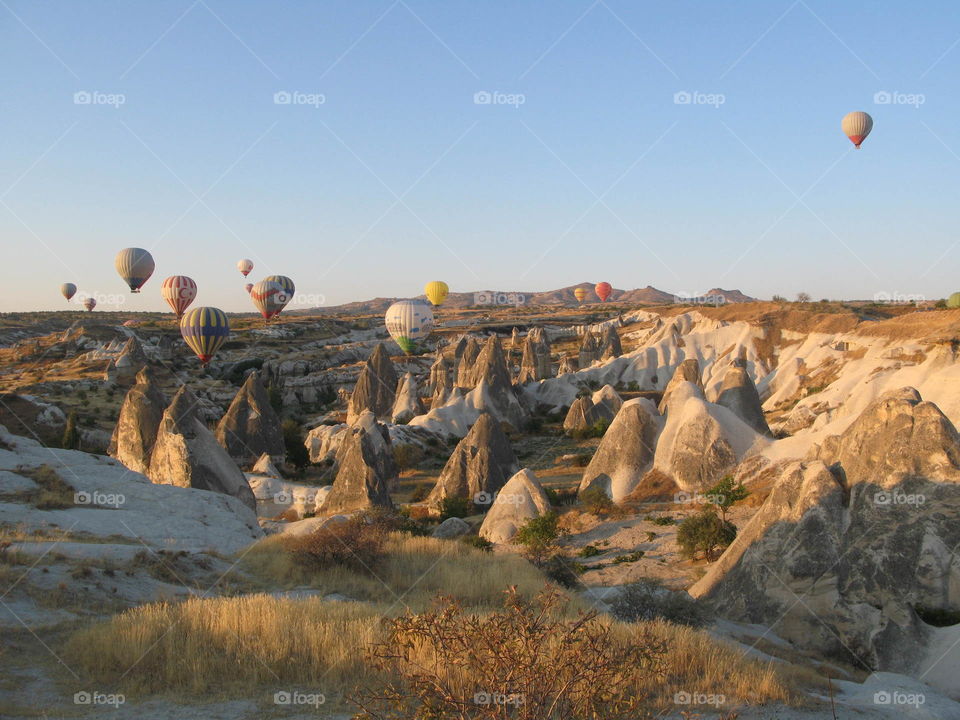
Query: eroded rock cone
<point x="187" y="454"/>
<point x="589" y="350"/>
<point x="130" y="361"/>
<point x="136" y="430"/>
<point x="440" y="384"/>
<point x="408" y="404"/>
<point x="739" y="394"/>
<point x="465" y="362"/>
<point x="864" y="531"/>
<point x="567" y="365"/>
<point x="589" y="410"/>
<point x="610" y="344"/>
<point x="366" y="468"/>
<point x="376" y="387"/>
<point x="535" y="364"/>
<point x="251" y="427"/>
<point x="626" y="452"/>
<point x="687" y="371"/>
<point x="520" y="500"/>
<point x="491" y="365"/>
<point x="479" y="466"/>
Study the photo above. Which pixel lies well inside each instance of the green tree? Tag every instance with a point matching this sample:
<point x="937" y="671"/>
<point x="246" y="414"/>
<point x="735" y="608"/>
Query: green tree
<point x="71" y="436"/>
<point x="704" y="533"/>
<point x="539" y="536"/>
<point x="297" y="454"/>
<point x="725" y="493"/>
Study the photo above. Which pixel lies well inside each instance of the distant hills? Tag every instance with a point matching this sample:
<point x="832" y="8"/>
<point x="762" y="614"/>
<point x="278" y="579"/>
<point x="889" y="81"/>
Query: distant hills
<point x="560" y="297"/>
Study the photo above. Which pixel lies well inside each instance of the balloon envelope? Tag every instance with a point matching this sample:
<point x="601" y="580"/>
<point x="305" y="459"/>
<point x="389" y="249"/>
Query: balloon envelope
<point x="245" y="266"/>
<point x="407" y="322"/>
<point x="248" y="287"/>
<point x="89" y="304"/>
<point x="135" y="266"/>
<point x="68" y="290"/>
<point x="603" y="291"/>
<point x="179" y="291"/>
<point x="436" y="291"/>
<point x="580" y="294"/>
<point x="269" y="297"/>
<point x="856" y="126"/>
<point x="954" y="300"/>
<point x="205" y="329"/>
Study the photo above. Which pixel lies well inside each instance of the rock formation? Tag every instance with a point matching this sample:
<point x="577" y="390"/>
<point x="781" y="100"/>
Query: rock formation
<point x="407" y="405"/>
<point x="187" y="454"/>
<point x="251" y="427"/>
<point x="739" y="394"/>
<point x="264" y="466"/>
<point x="479" y="466"/>
<point x="589" y="350"/>
<point x="451" y="528"/>
<point x="626" y="452"/>
<point x="464" y="362"/>
<point x="515" y="339"/>
<point x="858" y="544"/>
<point x="687" y="371"/>
<point x="440" y="385"/>
<point x="588" y="410"/>
<point x="520" y="500"/>
<point x="610" y="346"/>
<point x="136" y="430"/>
<point x="376" y="387"/>
<point x="567" y="365"/>
<point x="365" y="469"/>
<point x="130" y="361"/>
<point x="535" y="364"/>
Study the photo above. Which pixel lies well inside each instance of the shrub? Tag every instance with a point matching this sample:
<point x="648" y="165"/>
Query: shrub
<point x="648" y="599"/>
<point x="563" y="571"/>
<point x="596" y="430"/>
<point x="628" y="558"/>
<point x="597" y="501"/>
<point x="458" y="507"/>
<point x="704" y="533"/>
<point x="420" y="493"/>
<point x="355" y="544"/>
<point x="651" y="536"/>
<point x="725" y="493"/>
<point x="525" y="661"/>
<point x="662" y="520"/>
<point x="539" y="536"/>
<point x="475" y="541"/>
<point x="559" y="498"/>
<point x="71" y="436"/>
<point x="582" y="459"/>
<point x="407" y="456"/>
<point x="588" y="551"/>
<point x="297" y="454"/>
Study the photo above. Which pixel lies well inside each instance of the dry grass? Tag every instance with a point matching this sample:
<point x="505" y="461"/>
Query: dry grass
<point x="54" y="492"/>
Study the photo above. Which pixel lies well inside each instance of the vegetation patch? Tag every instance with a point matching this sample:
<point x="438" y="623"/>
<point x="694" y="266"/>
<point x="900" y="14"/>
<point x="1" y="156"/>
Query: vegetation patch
<point x="54" y="492"/>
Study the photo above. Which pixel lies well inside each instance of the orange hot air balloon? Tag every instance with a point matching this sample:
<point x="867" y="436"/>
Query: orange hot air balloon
<point x="603" y="291"/>
<point x="179" y="291"/>
<point x="248" y="287"/>
<point x="580" y="293"/>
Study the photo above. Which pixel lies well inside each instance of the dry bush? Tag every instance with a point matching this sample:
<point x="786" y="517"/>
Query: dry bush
<point x="528" y="661"/>
<point x="355" y="545"/>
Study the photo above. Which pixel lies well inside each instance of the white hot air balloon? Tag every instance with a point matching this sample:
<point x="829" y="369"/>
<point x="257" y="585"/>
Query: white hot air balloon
<point x="245" y="266"/>
<point x="135" y="266"/>
<point x="407" y="322"/>
<point x="856" y="126"/>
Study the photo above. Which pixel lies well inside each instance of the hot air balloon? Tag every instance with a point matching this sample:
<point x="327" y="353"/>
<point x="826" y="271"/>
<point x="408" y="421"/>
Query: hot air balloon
<point x="179" y="291"/>
<point x="407" y="322"/>
<point x="89" y="303"/>
<point x="271" y="296"/>
<point x="135" y="266"/>
<point x="245" y="266"/>
<point x="205" y="329"/>
<point x="580" y="293"/>
<point x="603" y="291"/>
<point x="856" y="126"/>
<point x="68" y="290"/>
<point x="248" y="287"/>
<point x="954" y="300"/>
<point x="436" y="291"/>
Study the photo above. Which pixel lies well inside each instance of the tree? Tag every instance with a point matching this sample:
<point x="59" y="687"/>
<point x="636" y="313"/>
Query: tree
<point x="803" y="297"/>
<point x="539" y="537"/>
<point x="704" y="533"/>
<point x="71" y="436"/>
<point x="779" y="299"/>
<point x="725" y="493"/>
<point x="297" y="454"/>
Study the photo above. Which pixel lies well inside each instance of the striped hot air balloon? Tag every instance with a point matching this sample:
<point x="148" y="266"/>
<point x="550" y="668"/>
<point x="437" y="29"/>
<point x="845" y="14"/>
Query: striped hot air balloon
<point x="68" y="290"/>
<point x="248" y="287"/>
<point x="856" y="126"/>
<point x="179" y="291"/>
<point x="954" y="300"/>
<point x="436" y="291"/>
<point x="409" y="321"/>
<point x="205" y="329"/>
<point x="89" y="303"/>
<point x="272" y="294"/>
<point x="245" y="266"/>
<point x="603" y="291"/>
<point x="580" y="293"/>
<point x="135" y="266"/>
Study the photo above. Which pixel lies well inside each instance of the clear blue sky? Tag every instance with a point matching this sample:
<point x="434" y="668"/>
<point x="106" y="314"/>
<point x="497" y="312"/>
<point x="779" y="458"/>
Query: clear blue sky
<point x="399" y="177"/>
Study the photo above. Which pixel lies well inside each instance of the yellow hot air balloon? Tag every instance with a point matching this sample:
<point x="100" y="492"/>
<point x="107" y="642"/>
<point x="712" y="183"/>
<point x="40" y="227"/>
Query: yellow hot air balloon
<point x="135" y="266"/>
<point x="856" y="126"/>
<point x="436" y="291"/>
<point x="205" y="329"/>
<point x="954" y="300"/>
<point x="580" y="293"/>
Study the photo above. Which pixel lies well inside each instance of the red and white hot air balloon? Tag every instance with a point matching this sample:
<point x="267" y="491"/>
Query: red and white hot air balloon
<point x="603" y="291"/>
<point x="89" y="303"/>
<point x="245" y="266"/>
<point x="179" y="291"/>
<point x="856" y="126"/>
<point x="248" y="287"/>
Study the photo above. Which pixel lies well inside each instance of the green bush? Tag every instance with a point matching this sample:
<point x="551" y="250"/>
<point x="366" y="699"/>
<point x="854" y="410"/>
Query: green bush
<point x="563" y="571"/>
<point x="297" y="454"/>
<point x="648" y="600"/>
<point x="704" y="533"/>
<point x="662" y="520"/>
<point x="475" y="541"/>
<point x="589" y="551"/>
<point x="71" y="436"/>
<point x="725" y="493"/>
<point x="597" y="501"/>
<point x="539" y="536"/>
<point x="457" y="507"/>
<point x="628" y="558"/>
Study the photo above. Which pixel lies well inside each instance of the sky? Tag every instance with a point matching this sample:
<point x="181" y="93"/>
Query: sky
<point x="364" y="148"/>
